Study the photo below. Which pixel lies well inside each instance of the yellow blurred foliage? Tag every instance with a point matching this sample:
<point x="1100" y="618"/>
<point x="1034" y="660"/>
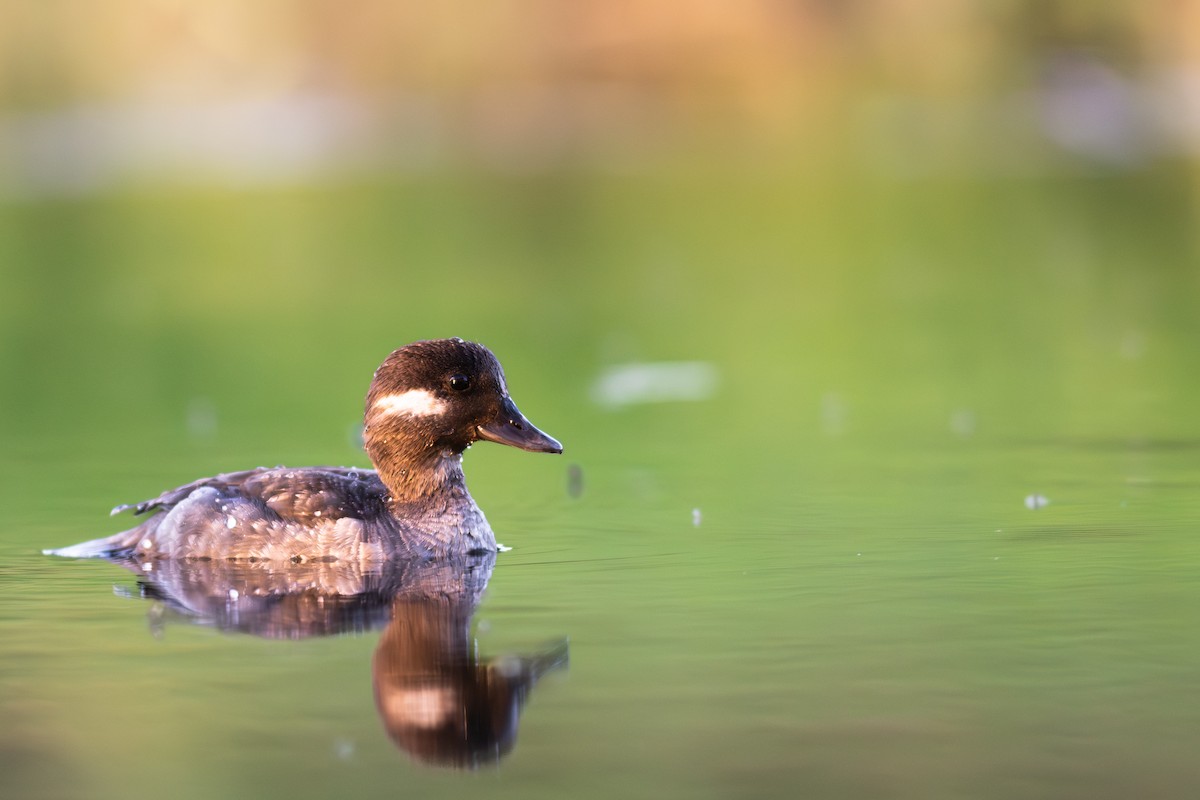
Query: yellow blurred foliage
<point x="576" y="74"/>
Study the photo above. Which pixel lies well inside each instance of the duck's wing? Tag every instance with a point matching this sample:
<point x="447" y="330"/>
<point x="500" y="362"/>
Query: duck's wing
<point x="172" y="497"/>
<point x="300" y="495"/>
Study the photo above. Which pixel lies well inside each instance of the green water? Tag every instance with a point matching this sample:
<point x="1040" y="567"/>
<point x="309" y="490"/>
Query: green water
<point x="822" y="580"/>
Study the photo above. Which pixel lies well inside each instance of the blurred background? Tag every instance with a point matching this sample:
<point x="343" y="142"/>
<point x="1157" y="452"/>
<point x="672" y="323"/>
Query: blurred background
<point x="234" y="208"/>
<point x="793" y="281"/>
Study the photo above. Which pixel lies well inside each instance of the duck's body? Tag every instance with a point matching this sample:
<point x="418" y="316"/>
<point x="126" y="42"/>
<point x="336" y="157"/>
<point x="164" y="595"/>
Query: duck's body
<point x="281" y="514"/>
<point x="427" y="403"/>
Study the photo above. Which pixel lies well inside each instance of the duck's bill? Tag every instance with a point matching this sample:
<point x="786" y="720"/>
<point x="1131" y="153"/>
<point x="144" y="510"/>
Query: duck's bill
<point x="510" y="427"/>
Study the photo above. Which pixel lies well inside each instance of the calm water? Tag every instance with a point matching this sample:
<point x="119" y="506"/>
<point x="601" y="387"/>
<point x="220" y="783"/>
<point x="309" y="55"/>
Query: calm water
<point x="817" y="577"/>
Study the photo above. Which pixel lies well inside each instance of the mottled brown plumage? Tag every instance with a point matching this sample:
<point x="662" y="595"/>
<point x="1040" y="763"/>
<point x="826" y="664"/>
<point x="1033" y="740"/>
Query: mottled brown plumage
<point x="427" y="403"/>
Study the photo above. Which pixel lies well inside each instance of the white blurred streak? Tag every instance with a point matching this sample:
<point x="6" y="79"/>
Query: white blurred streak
<point x="1078" y="106"/>
<point x="265" y="140"/>
<point x="654" y="382"/>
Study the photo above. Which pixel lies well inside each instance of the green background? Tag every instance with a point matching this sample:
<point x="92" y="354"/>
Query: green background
<point x="867" y="608"/>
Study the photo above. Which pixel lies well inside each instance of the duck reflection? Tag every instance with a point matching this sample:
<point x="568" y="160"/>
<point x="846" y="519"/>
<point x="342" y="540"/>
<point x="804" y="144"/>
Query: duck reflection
<point x="437" y="699"/>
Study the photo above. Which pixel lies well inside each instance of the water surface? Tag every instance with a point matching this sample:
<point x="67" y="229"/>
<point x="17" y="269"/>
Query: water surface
<point x="816" y="577"/>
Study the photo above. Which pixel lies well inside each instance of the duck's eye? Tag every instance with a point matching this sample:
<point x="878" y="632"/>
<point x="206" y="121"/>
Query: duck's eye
<point x="459" y="383"/>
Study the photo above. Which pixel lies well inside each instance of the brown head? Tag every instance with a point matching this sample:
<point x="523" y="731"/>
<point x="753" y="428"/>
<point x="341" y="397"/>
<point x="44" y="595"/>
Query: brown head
<point x="429" y="401"/>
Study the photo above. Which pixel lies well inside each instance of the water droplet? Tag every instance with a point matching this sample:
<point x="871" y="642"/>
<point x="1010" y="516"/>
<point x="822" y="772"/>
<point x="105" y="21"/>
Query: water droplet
<point x="343" y="749"/>
<point x="1133" y="345"/>
<point x="231" y="522"/>
<point x="962" y="423"/>
<point x="201" y="422"/>
<point x="696" y="517"/>
<point x="1035" y="501"/>
<point x="833" y="414"/>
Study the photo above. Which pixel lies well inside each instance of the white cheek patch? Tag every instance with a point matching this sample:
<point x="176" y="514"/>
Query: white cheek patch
<point x="413" y="403"/>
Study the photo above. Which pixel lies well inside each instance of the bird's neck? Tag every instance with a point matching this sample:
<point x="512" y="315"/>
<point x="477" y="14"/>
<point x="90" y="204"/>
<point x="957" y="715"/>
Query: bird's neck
<point x="416" y="478"/>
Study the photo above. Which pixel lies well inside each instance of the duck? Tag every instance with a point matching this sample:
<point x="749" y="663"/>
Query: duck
<point x="427" y="403"/>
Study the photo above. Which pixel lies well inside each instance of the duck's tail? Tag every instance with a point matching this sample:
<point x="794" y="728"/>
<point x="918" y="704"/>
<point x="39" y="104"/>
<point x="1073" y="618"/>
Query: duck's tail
<point x="121" y="544"/>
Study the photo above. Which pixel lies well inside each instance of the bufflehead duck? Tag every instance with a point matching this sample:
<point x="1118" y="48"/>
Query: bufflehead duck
<point x="428" y="402"/>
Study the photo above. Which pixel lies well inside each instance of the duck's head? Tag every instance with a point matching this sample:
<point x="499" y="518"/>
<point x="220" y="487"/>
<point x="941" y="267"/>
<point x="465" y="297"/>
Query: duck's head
<point x="430" y="400"/>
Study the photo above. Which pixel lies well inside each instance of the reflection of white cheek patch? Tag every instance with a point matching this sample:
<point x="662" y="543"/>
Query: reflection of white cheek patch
<point x="414" y="403"/>
<point x="428" y="707"/>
